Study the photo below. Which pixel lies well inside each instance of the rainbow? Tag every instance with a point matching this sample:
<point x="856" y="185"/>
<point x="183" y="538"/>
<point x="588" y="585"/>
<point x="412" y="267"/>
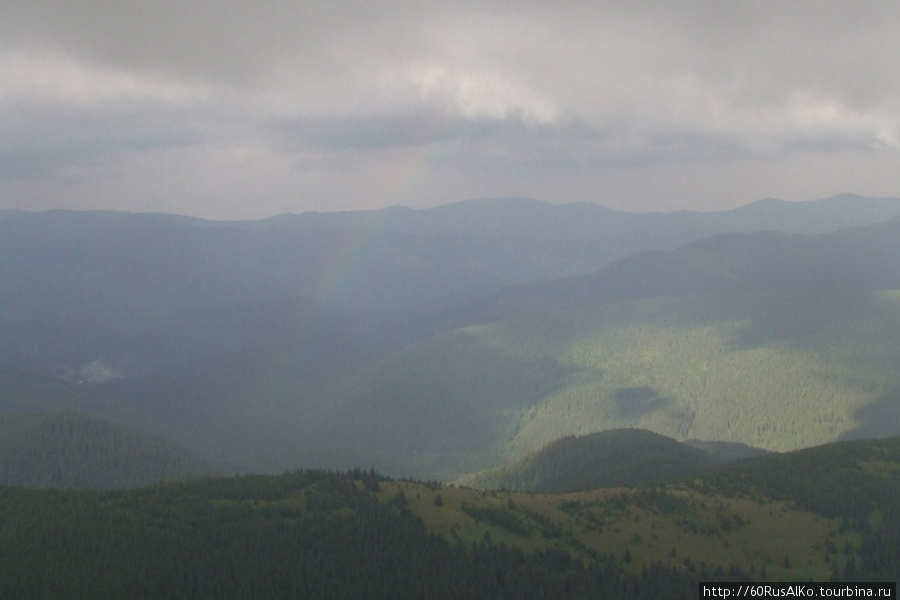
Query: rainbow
<point x="347" y="262"/>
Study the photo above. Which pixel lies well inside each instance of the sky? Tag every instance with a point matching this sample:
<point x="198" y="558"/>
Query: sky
<point x="241" y="109"/>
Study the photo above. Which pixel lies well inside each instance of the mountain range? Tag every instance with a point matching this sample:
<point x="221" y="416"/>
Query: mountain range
<point x="445" y="341"/>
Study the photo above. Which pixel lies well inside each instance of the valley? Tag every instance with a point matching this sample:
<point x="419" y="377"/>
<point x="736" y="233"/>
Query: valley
<point x="775" y="339"/>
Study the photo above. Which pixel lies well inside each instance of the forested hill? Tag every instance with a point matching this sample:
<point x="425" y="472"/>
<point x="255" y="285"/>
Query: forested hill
<point x="826" y="513"/>
<point x="309" y="535"/>
<point x="610" y="458"/>
<point x="65" y="449"/>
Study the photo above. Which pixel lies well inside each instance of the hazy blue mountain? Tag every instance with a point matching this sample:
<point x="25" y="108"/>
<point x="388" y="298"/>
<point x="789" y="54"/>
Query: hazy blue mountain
<point x="853" y="259"/>
<point x="535" y="219"/>
<point x="79" y="287"/>
<point x="65" y="449"/>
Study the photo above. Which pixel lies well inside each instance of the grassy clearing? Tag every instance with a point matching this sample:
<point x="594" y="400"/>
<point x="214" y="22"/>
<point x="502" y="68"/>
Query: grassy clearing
<point x="641" y="526"/>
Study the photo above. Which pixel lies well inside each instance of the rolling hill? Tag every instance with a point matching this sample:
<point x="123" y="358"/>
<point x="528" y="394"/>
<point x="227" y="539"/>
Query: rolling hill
<point x="828" y="513"/>
<point x="612" y="458"/>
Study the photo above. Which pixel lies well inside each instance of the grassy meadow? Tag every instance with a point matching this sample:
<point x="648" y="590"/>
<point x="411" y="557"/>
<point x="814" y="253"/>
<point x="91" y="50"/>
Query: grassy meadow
<point x="677" y="527"/>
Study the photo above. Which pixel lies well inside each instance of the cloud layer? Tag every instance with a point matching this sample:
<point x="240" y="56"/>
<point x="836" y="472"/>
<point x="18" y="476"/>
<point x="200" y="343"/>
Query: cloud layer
<point x="244" y="109"/>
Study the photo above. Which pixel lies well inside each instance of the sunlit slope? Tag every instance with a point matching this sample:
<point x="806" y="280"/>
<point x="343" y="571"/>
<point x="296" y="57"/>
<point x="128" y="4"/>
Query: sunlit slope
<point x="676" y="527"/>
<point x="776" y="371"/>
<point x="819" y="513"/>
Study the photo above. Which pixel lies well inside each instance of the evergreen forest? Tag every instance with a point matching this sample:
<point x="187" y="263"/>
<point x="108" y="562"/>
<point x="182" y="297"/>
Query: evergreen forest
<point x="826" y="513"/>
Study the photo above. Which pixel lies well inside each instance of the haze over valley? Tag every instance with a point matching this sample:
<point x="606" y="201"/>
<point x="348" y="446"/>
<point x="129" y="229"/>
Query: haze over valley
<point x="439" y="342"/>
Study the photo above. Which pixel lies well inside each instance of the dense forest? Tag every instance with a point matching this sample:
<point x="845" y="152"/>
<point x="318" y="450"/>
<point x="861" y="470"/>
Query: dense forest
<point x="827" y="513"/>
<point x="712" y="367"/>
<point x="604" y="459"/>
<point x="304" y="535"/>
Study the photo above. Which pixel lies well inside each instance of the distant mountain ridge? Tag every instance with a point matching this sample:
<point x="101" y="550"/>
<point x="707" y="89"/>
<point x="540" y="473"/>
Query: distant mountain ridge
<point x="852" y="259"/>
<point x="95" y="274"/>
<point x="445" y="341"/>
<point x="534" y="217"/>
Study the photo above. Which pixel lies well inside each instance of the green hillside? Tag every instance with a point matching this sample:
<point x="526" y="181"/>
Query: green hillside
<point x="775" y="371"/>
<point x="606" y="459"/>
<point x="826" y="513"/>
<point x="72" y="450"/>
<point x="310" y="535"/>
<point x="831" y="512"/>
<point x="617" y="457"/>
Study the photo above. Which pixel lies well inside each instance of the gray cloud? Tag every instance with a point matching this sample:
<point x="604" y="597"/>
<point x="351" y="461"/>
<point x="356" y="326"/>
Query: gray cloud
<point x="296" y="104"/>
<point x="46" y="141"/>
<point x="335" y="134"/>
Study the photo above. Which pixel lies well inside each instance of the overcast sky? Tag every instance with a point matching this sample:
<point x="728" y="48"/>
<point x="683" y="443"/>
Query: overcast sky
<point x="249" y="108"/>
